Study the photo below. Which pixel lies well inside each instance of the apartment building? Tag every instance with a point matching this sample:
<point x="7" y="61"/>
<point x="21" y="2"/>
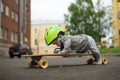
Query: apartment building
<point x="116" y="22"/>
<point x="14" y="22"/>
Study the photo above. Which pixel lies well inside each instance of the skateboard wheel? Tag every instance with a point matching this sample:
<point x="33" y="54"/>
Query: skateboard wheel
<point x="30" y="64"/>
<point x="90" y="61"/>
<point x="43" y="64"/>
<point x="104" y="60"/>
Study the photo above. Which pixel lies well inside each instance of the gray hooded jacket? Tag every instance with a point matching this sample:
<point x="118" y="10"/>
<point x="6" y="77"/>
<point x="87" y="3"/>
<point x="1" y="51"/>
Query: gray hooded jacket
<point x="78" y="43"/>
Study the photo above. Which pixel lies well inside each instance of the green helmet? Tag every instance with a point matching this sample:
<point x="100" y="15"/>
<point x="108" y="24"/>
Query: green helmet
<point x="52" y="33"/>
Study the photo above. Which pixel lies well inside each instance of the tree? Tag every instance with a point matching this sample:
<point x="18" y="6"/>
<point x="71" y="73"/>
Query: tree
<point x="84" y="18"/>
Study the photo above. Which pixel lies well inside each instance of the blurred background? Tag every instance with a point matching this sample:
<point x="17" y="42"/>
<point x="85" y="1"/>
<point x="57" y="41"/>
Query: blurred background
<point x="25" y="22"/>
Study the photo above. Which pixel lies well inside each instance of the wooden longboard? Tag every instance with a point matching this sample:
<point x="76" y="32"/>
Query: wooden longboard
<point x="68" y="54"/>
<point x="44" y="63"/>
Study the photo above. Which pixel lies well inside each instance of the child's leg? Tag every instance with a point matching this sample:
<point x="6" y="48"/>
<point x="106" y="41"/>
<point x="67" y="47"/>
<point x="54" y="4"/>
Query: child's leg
<point x="95" y="52"/>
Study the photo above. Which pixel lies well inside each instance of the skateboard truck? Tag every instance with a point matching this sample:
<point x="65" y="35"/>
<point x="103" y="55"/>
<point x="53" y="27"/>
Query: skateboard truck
<point x="43" y="64"/>
<point x="37" y="61"/>
<point x="91" y="60"/>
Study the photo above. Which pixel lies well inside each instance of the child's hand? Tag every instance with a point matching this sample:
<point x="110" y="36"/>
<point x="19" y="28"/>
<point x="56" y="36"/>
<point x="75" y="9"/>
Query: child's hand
<point x="61" y="52"/>
<point x="56" y="50"/>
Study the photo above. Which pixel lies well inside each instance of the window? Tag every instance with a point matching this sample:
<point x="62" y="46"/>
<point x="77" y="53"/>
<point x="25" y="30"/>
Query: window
<point x="2" y="7"/>
<point x="118" y="15"/>
<point x="16" y="37"/>
<point x="35" y="30"/>
<point x="119" y="32"/>
<point x="46" y="51"/>
<point x="26" y="22"/>
<point x="7" y="11"/>
<point x="26" y="8"/>
<point x="45" y="29"/>
<point x="16" y="17"/>
<point x="6" y="34"/>
<point x="16" y="1"/>
<point x="35" y="41"/>
<point x="12" y="36"/>
<point x="26" y="39"/>
<point x="13" y="14"/>
<point x="1" y="32"/>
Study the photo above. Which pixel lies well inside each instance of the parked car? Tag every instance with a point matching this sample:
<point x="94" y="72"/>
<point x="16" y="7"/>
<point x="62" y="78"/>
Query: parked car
<point x="18" y="50"/>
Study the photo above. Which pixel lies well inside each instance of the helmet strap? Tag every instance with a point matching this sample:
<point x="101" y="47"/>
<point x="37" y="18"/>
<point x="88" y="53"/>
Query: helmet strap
<point x="61" y="43"/>
<point x="59" y="39"/>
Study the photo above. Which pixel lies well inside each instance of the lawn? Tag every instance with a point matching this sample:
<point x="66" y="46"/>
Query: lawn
<point x="110" y="51"/>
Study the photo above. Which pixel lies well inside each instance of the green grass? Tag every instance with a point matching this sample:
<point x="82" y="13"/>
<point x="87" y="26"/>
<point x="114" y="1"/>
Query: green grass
<point x="110" y="51"/>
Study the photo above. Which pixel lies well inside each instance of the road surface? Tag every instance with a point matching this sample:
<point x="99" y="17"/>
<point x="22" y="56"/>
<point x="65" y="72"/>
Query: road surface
<point x="72" y="68"/>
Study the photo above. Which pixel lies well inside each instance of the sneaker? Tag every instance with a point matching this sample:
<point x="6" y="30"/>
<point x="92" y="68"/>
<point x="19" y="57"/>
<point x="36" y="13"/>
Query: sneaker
<point x="97" y="62"/>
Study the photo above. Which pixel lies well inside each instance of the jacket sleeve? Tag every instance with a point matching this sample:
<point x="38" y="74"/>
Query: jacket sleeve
<point x="67" y="44"/>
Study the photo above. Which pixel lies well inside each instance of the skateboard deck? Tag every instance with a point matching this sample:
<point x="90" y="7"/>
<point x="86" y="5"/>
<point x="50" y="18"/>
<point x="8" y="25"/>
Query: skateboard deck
<point x="68" y="54"/>
<point x="36" y="59"/>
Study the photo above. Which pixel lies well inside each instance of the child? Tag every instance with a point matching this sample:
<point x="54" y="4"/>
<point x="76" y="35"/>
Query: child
<point x="68" y="43"/>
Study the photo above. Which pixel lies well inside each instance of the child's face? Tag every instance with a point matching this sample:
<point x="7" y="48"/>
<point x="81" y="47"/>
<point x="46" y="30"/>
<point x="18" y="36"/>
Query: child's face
<point x="56" y="42"/>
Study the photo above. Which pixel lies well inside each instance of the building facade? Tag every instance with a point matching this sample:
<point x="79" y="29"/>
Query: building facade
<point x="38" y="44"/>
<point x="14" y="22"/>
<point x="116" y="22"/>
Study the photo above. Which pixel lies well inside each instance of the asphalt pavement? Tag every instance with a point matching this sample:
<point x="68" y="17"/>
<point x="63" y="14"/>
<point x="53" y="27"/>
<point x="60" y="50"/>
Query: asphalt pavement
<point x="70" y="68"/>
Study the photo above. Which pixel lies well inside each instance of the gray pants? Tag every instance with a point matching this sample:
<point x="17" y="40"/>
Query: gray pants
<point x="93" y="49"/>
